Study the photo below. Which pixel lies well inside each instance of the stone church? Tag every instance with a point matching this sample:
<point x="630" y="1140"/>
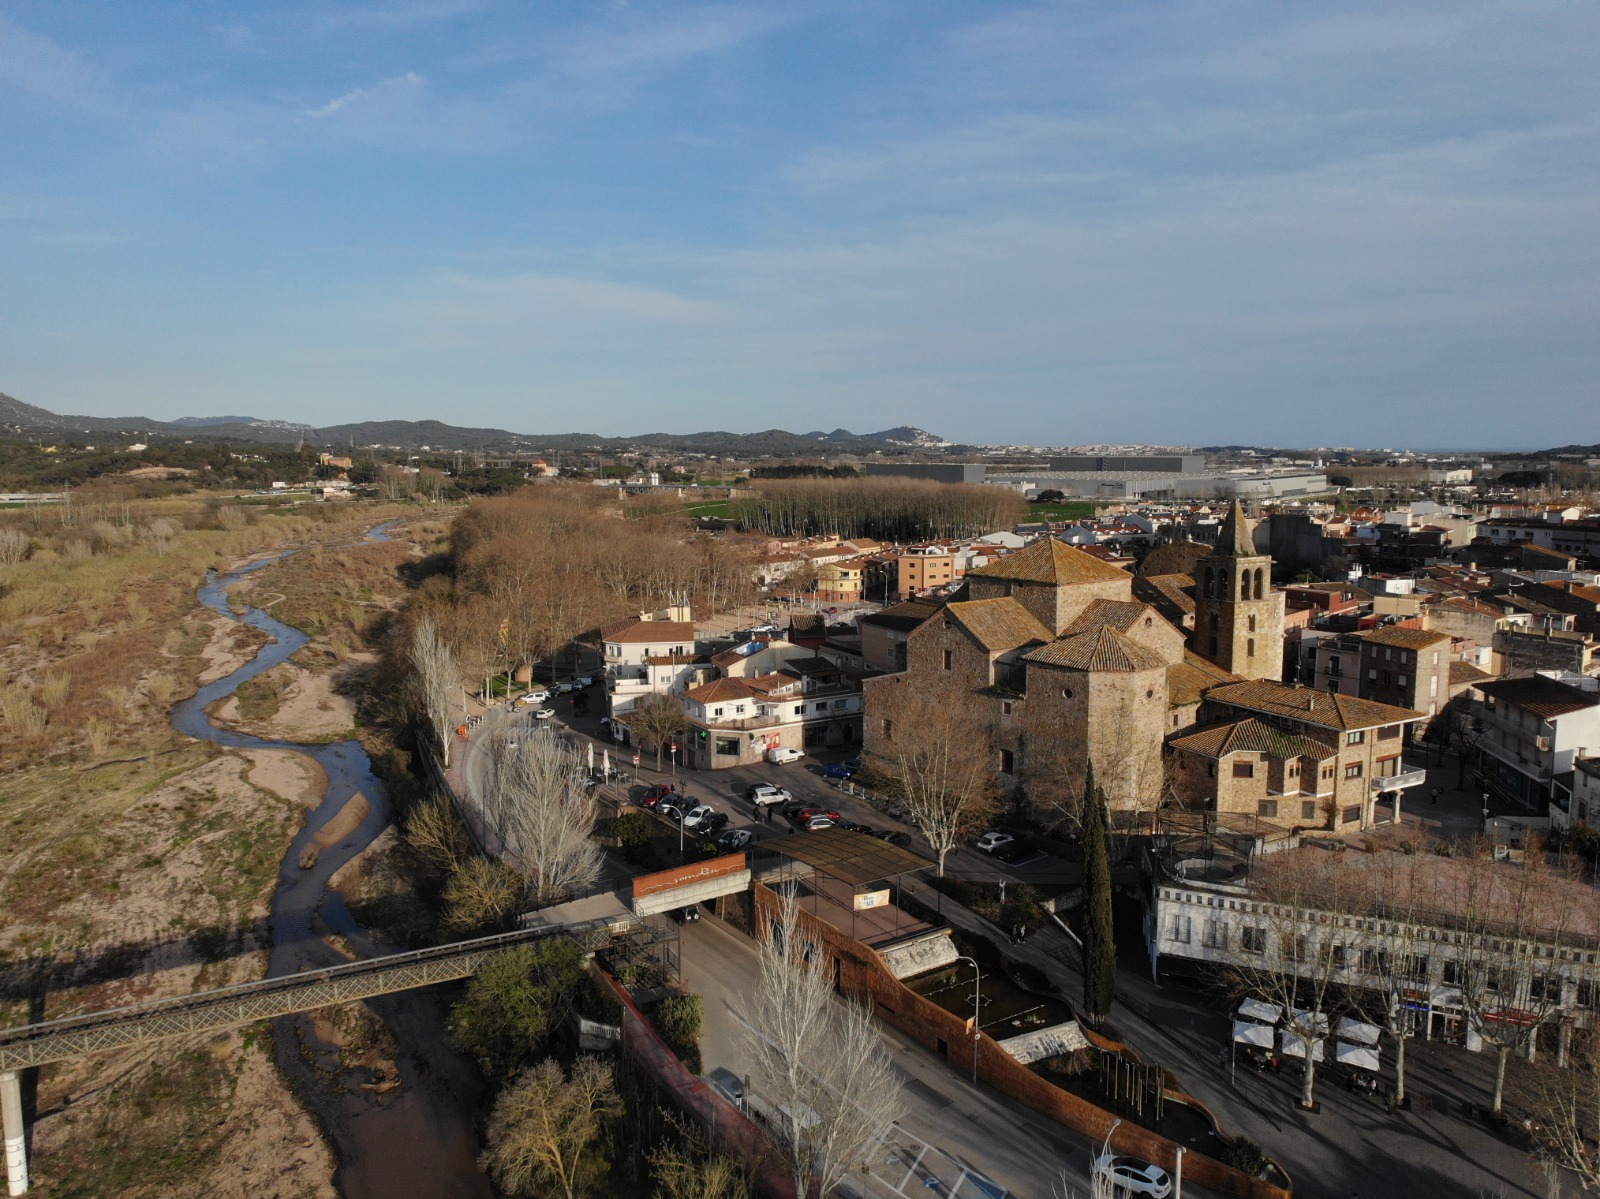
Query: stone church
<point x="1068" y="667"/>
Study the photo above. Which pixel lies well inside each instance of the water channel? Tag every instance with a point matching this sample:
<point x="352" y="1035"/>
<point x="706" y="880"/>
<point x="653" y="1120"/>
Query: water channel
<point x="415" y="1139"/>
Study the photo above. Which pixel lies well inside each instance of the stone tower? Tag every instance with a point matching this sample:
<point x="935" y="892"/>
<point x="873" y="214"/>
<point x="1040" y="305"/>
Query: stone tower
<point x="1238" y="618"/>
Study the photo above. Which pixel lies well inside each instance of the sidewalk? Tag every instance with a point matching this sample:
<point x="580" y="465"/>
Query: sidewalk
<point x="1353" y="1148"/>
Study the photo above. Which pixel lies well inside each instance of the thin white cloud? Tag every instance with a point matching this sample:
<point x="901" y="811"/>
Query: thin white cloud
<point x="357" y="95"/>
<point x="39" y="67"/>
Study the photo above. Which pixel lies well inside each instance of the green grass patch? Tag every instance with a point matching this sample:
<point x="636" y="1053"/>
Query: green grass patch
<point x="1065" y="510"/>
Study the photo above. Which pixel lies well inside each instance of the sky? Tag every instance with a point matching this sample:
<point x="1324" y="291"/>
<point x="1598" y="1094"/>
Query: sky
<point x="1369" y="224"/>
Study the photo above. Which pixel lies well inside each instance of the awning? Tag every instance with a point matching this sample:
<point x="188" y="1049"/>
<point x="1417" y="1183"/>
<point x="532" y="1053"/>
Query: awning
<point x="1363" y="1057"/>
<point x="1248" y="1032"/>
<point x="1304" y="1018"/>
<point x="1293" y="1046"/>
<point x="1267" y="1013"/>
<point x="1358" y="1032"/>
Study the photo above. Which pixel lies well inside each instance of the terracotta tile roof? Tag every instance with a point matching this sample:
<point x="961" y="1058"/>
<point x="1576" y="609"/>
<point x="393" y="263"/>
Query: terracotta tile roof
<point x="1050" y="561"/>
<point x="776" y="681"/>
<point x="1121" y="615"/>
<point x="1254" y="736"/>
<point x="721" y="690"/>
<point x="1469" y="607"/>
<point x="1543" y="697"/>
<point x="1325" y="709"/>
<point x="1100" y="649"/>
<point x="902" y="617"/>
<point x="998" y="624"/>
<point x="1189" y="680"/>
<point x="645" y="632"/>
<point x="1171" y="593"/>
<point x="1404" y="638"/>
<point x="728" y="657"/>
<point x="1466" y="672"/>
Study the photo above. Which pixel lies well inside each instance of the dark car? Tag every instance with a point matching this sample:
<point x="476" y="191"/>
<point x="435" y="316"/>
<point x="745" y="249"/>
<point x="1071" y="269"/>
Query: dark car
<point x="1016" y="851"/>
<point x="795" y="806"/>
<point x="685" y="915"/>
<point x="893" y="837"/>
<point x="838" y="770"/>
<point x="712" y="823"/>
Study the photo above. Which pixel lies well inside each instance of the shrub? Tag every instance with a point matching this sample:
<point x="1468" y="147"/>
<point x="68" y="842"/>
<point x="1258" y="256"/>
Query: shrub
<point x="1245" y="1155"/>
<point x="631" y="829"/>
<point x="514" y="1003"/>
<point x="679" y="1018"/>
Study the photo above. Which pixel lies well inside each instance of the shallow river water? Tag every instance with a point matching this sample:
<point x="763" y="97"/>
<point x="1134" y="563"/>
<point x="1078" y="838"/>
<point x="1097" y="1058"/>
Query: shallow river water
<point x="416" y="1139"/>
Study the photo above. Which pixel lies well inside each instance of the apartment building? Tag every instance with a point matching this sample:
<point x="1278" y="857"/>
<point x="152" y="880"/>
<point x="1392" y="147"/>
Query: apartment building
<point x="808" y="703"/>
<point x="650" y="654"/>
<point x="1533" y="730"/>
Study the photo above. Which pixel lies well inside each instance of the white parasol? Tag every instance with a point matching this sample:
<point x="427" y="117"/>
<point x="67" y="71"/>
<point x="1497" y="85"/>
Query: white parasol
<point x="589" y="762"/>
<point x="605" y="763"/>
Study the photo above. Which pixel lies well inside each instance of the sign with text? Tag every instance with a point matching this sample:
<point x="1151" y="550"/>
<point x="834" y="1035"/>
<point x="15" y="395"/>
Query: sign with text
<point x="683" y="876"/>
<point x="871" y="899"/>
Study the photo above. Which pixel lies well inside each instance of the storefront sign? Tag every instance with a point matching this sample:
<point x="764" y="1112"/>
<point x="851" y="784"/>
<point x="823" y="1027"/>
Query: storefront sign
<point x="871" y="899"/>
<point x="682" y="876"/>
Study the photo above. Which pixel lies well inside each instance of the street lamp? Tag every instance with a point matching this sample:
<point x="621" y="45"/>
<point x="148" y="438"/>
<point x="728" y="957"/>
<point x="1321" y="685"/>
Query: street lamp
<point x="977" y="1000"/>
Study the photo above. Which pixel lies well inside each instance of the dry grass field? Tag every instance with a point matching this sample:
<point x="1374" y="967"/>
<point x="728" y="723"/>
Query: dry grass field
<point x="139" y="863"/>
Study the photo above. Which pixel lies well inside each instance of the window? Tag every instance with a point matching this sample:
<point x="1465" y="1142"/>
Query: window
<point x="949" y="659"/>
<point x="1353" y="770"/>
<point x="1252" y="623"/>
<point x="1292" y="771"/>
<point x="1417" y="967"/>
<point x="1180" y="929"/>
<point x="1214" y="934"/>
<point x="1005" y="707"/>
<point x="1213" y="647"/>
<point x="1267" y="809"/>
<point x="728" y="746"/>
<point x="1327" y="772"/>
<point x="1244" y="770"/>
<point x="716" y="711"/>
<point x="1352" y="814"/>
<point x="888" y="730"/>
<point x="1211" y="770"/>
<point x="1356" y="738"/>
<point x="1253" y="940"/>
<point x="1450" y="973"/>
<point x="1402" y="680"/>
<point x="1007" y="762"/>
<point x="1338" y="957"/>
<point x="1308" y="809"/>
<point x="1250" y="648"/>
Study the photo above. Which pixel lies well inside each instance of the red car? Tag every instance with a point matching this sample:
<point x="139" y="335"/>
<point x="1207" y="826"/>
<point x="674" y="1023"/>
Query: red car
<point x="654" y="795"/>
<point x="811" y="813"/>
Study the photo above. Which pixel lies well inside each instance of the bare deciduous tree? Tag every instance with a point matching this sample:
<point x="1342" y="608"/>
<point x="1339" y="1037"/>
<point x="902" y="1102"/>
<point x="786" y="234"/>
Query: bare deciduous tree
<point x="658" y="719"/>
<point x="435" y="676"/>
<point x="545" y="1128"/>
<point x="1390" y="948"/>
<point x="820" y="1061"/>
<point x="700" y="1174"/>
<point x="1293" y="955"/>
<point x="547" y="816"/>
<point x="1563" y="1105"/>
<point x="940" y="759"/>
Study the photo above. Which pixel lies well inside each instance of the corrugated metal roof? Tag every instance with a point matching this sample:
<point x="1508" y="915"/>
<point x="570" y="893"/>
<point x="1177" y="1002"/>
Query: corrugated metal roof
<point x="854" y="858"/>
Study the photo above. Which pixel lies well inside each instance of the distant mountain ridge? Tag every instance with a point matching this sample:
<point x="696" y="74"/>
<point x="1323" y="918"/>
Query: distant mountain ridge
<point x="18" y="418"/>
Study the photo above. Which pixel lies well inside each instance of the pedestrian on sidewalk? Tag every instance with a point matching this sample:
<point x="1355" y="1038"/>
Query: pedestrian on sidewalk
<point x="1436" y="795"/>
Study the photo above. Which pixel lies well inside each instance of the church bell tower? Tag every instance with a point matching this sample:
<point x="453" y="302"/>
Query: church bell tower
<point x="1238" y="618"/>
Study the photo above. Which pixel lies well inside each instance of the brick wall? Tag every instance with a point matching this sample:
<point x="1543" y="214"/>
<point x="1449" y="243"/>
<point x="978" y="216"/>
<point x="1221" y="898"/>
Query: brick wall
<point x="863" y="976"/>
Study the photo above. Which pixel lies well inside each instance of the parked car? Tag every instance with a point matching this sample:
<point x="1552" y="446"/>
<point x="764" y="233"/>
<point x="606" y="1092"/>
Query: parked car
<point x="693" y="817"/>
<point x="837" y="770"/>
<point x="537" y="696"/>
<point x="735" y="838"/>
<point x="673" y="807"/>
<point x="564" y="688"/>
<point x="893" y="837"/>
<point x="712" y="823"/>
<point x="685" y="915"/>
<point x="765" y="795"/>
<point x="793" y="807"/>
<point x="1016" y="851"/>
<point x="783" y="755"/>
<point x="850" y="826"/>
<point x="817" y="822"/>
<point x="992" y="841"/>
<point x="544" y="714"/>
<point x="1130" y="1175"/>
<point x="584" y="682"/>
<point x="655" y="794"/>
<point x="808" y="812"/>
<point x="764" y="628"/>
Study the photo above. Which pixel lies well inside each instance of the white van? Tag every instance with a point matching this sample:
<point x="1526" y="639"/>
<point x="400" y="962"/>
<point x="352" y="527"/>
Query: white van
<point x="783" y="755"/>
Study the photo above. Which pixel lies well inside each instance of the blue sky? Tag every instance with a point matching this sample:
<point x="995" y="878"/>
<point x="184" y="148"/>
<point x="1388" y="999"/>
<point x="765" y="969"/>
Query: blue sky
<point x="1315" y="224"/>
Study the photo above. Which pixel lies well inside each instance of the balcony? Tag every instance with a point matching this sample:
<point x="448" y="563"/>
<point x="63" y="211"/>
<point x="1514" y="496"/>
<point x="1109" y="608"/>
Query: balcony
<point x="1401" y="781"/>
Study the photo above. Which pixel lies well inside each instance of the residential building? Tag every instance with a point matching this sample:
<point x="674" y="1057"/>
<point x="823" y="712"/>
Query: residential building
<point x="1294" y="756"/>
<point x="1533" y="730"/>
<point x="807" y="703"/>
<point x="1406" y="668"/>
<point x="649" y="654"/>
<point x="1584" y="808"/>
<point x="841" y="582"/>
<point x="884" y="633"/>
<point x="925" y="568"/>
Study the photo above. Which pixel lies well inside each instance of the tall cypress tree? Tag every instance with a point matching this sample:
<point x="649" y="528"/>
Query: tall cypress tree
<point x="1099" y="950"/>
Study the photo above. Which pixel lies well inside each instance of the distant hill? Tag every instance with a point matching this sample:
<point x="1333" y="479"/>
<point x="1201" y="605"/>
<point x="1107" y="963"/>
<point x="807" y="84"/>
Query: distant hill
<point x="23" y="419"/>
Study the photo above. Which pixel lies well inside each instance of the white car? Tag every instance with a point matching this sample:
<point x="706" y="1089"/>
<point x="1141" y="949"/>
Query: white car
<point x="545" y="714"/>
<point x="766" y="628"/>
<point x="534" y="697"/>
<point x="764" y="795"/>
<point x="693" y="818"/>
<point x="585" y="681"/>
<point x="783" y="755"/>
<point x="992" y="841"/>
<point x="564" y="688"/>
<point x="1131" y="1176"/>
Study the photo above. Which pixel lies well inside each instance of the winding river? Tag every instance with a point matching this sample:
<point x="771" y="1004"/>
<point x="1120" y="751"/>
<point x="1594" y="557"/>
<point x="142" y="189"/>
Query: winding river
<point x="415" y="1139"/>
